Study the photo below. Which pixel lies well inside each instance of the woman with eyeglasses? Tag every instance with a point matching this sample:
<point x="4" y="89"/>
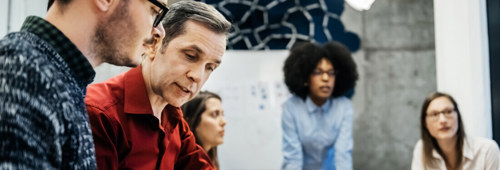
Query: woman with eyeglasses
<point x="444" y="144"/>
<point x="317" y="119"/>
<point x="205" y="116"/>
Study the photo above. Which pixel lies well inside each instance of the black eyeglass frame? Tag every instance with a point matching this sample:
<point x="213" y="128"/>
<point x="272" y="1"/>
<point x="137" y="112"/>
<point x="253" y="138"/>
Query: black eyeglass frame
<point x="160" y="16"/>
<point x="321" y="72"/>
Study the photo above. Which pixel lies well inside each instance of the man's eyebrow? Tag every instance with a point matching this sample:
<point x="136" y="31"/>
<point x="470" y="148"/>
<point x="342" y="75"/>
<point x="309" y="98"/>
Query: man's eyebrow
<point x="218" y="61"/>
<point x="199" y="51"/>
<point x="195" y="48"/>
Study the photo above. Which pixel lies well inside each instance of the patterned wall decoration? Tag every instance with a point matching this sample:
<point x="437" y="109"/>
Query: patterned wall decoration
<point x="278" y="24"/>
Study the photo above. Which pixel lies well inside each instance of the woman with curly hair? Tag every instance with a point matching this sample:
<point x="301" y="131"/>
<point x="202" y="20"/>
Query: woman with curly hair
<point x="444" y="144"/>
<point x="205" y="116"/>
<point x="317" y="119"/>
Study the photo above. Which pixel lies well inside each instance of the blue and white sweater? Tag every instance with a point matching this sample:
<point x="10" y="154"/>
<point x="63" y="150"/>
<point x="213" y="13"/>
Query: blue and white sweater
<point x="43" y="120"/>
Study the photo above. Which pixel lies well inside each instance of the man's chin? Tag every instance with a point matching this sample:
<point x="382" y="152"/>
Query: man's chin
<point x="178" y="103"/>
<point x="176" y="100"/>
<point x="127" y="62"/>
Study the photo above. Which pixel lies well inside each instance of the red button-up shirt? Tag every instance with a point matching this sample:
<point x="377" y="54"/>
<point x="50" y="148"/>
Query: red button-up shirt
<point x="128" y="136"/>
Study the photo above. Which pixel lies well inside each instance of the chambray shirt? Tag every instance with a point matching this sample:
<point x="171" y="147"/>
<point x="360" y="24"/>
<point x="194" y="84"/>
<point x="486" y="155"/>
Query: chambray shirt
<point x="317" y="137"/>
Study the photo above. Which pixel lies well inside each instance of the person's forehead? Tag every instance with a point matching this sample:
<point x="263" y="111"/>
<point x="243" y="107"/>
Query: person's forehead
<point x="208" y="53"/>
<point x="324" y="63"/>
<point x="440" y="103"/>
<point x="212" y="101"/>
<point x="203" y="40"/>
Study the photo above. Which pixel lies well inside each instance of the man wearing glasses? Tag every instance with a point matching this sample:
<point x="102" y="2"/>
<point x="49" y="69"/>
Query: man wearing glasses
<point x="44" y="71"/>
<point x="135" y="117"/>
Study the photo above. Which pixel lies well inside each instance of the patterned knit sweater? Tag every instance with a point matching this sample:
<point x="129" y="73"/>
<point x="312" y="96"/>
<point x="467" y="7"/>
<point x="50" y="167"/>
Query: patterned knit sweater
<point x="43" y="121"/>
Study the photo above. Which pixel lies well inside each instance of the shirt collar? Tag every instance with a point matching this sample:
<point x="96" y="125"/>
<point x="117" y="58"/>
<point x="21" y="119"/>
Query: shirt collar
<point x="136" y="96"/>
<point x="435" y="154"/>
<point x="78" y="64"/>
<point x="467" y="150"/>
<point x="312" y="107"/>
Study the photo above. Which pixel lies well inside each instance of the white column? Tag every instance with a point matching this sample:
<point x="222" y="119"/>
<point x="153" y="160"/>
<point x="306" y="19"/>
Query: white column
<point x="462" y="60"/>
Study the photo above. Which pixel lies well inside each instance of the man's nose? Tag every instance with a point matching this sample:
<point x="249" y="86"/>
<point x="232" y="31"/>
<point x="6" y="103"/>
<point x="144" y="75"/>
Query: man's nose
<point x="158" y="31"/>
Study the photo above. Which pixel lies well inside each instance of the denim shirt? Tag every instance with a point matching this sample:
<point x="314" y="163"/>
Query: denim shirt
<point x="317" y="137"/>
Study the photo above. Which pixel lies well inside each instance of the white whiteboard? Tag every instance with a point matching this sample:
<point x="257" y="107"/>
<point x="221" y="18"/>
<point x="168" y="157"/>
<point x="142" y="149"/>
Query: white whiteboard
<point x="253" y="92"/>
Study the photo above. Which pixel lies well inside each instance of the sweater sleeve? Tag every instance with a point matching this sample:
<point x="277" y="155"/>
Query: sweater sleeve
<point x="30" y="126"/>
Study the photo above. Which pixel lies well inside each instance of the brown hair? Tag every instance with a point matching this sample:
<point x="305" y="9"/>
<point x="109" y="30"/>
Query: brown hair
<point x="192" y="111"/>
<point x="430" y="142"/>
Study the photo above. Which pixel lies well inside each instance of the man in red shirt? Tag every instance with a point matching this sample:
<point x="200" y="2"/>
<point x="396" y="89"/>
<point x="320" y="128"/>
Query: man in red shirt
<point x="135" y="117"/>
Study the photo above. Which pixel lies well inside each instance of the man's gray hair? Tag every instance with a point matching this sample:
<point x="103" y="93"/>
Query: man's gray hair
<point x="188" y="10"/>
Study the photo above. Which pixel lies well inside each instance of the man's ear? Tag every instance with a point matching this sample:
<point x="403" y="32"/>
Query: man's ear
<point x="104" y="5"/>
<point x="152" y="49"/>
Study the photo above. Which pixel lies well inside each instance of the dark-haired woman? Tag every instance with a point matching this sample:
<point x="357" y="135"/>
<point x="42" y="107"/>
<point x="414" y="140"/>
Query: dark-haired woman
<point x="443" y="143"/>
<point x="205" y="117"/>
<point x="317" y="119"/>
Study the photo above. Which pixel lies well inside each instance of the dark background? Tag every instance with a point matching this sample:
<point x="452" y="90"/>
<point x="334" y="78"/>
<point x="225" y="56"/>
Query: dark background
<point x="493" y="7"/>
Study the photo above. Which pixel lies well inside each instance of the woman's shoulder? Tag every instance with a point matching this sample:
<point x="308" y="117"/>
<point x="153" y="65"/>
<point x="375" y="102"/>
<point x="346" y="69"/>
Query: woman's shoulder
<point x="418" y="145"/>
<point x="479" y="149"/>
<point x="342" y="100"/>
<point x="294" y="100"/>
<point x="417" y="162"/>
<point x="481" y="143"/>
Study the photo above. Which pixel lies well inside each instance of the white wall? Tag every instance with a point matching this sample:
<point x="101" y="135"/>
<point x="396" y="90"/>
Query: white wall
<point x="462" y="60"/>
<point x="253" y="91"/>
<point x="19" y="10"/>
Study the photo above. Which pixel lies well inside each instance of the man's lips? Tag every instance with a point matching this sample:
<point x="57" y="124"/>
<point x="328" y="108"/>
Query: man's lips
<point x="183" y="88"/>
